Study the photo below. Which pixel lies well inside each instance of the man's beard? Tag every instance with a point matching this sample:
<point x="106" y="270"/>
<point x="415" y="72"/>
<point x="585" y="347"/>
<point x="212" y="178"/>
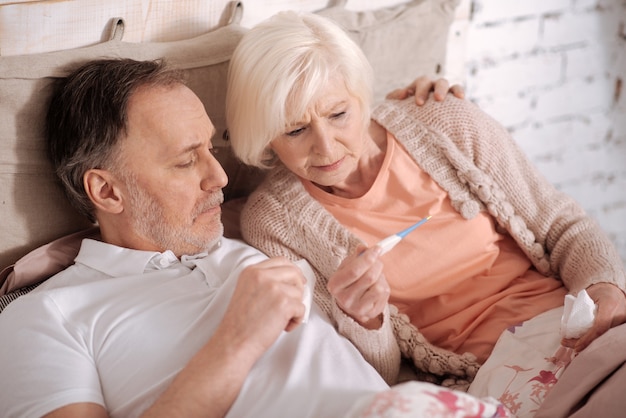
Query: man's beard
<point x="149" y="220"/>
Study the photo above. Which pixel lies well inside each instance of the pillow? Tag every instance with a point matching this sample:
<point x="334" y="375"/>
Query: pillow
<point x="10" y="297"/>
<point x="34" y="209"/>
<point x="44" y="261"/>
<point x="401" y="42"/>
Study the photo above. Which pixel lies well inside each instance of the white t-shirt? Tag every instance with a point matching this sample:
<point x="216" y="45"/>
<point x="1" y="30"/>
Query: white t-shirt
<point x="116" y="327"/>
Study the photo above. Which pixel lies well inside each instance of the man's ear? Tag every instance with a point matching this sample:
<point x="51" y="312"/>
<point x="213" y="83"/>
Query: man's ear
<point x="101" y="187"/>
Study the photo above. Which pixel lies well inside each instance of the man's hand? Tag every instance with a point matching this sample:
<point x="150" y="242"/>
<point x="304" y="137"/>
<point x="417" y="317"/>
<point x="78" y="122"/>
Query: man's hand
<point x="611" y="312"/>
<point x="423" y="86"/>
<point x="266" y="301"/>
<point x="360" y="288"/>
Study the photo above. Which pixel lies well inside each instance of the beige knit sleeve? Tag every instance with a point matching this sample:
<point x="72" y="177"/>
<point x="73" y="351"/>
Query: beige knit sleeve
<point x="378" y="347"/>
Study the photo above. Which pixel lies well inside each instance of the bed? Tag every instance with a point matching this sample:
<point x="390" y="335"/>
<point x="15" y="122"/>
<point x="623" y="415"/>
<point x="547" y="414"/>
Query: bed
<point x="41" y="232"/>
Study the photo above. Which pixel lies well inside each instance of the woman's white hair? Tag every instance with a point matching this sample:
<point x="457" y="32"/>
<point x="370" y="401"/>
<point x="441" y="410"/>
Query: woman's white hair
<point x="280" y="64"/>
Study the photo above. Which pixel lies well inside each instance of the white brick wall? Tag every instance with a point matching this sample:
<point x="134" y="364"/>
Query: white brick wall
<point x="552" y="72"/>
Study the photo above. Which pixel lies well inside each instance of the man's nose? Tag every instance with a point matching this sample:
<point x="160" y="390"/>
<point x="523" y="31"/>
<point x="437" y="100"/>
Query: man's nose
<point x="214" y="176"/>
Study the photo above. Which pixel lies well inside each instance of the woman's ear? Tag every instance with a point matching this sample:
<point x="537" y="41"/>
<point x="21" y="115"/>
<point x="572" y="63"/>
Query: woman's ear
<point x="101" y="187"/>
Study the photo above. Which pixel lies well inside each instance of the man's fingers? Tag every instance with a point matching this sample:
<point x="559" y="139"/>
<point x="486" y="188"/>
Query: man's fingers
<point x="399" y="94"/>
<point x="296" y="320"/>
<point x="458" y="91"/>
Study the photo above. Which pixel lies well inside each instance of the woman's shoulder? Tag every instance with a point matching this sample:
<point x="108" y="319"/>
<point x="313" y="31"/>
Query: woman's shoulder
<point x="275" y="212"/>
<point x="278" y="182"/>
<point x="458" y="120"/>
<point x="273" y="195"/>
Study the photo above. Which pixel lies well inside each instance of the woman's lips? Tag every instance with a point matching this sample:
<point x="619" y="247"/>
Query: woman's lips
<point x="330" y="167"/>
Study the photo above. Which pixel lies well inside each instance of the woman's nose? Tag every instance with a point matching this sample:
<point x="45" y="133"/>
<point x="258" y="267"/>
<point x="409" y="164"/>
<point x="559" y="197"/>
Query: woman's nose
<point x="322" y="142"/>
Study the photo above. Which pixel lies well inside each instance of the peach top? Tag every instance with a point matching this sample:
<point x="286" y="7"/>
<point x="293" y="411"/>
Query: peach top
<point x="460" y="281"/>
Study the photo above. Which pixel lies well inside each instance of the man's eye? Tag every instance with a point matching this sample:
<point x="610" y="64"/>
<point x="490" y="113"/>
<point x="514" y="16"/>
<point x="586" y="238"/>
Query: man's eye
<point x="186" y="164"/>
<point x="295" y="132"/>
<point x="338" y="115"/>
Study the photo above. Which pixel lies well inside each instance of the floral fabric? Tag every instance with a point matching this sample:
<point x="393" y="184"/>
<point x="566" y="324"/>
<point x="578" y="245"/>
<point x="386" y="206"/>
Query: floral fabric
<point x="523" y="366"/>
<point x="419" y="399"/>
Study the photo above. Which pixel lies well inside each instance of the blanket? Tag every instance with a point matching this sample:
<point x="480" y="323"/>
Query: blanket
<point x="593" y="384"/>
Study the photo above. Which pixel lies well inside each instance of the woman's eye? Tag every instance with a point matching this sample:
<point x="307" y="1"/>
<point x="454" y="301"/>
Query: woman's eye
<point x="295" y="132"/>
<point x="337" y="115"/>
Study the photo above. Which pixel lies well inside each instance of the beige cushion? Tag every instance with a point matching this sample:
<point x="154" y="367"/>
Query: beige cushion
<point x="401" y="42"/>
<point x="33" y="209"/>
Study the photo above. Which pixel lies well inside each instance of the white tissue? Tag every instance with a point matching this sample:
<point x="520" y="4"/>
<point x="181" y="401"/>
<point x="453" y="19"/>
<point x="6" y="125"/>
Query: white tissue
<point x="307" y="297"/>
<point x="578" y="314"/>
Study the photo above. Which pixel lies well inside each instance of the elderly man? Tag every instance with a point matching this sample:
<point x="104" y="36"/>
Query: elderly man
<point x="164" y="316"/>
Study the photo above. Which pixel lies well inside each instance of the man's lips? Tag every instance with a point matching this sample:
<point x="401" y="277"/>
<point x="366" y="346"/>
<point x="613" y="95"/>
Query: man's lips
<point x="209" y="211"/>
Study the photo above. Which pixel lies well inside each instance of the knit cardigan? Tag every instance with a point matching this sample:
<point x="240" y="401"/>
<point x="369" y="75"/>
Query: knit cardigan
<point x="474" y="159"/>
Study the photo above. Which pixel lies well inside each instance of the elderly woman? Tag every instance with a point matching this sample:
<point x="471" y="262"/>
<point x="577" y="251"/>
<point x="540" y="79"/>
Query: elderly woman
<point x="502" y="246"/>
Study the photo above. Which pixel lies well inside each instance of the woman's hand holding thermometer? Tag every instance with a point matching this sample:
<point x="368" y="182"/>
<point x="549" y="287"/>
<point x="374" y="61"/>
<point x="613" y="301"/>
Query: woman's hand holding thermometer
<point x="359" y="285"/>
